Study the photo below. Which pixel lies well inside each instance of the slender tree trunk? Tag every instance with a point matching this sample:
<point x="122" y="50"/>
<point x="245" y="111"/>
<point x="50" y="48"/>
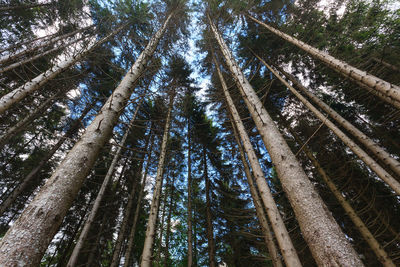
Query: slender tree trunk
<point x="359" y="224"/>
<point x="378" y="152"/>
<point x="131" y="237"/>
<point x="327" y="242"/>
<point x="41" y="219"/>
<point x="34" y="172"/>
<point x="189" y="205"/>
<point x="370" y="162"/>
<point x="120" y="240"/>
<point x="13" y="56"/>
<point x="170" y="210"/>
<point x="269" y="240"/>
<point x="27" y="60"/>
<point x="29" y="6"/>
<point x="18" y="94"/>
<point x="21" y="125"/>
<point x="281" y="233"/>
<point x="161" y="228"/>
<point x="151" y="225"/>
<point x="388" y="92"/>
<point x="47" y="37"/>
<point x="85" y="231"/>
<point x="210" y="231"/>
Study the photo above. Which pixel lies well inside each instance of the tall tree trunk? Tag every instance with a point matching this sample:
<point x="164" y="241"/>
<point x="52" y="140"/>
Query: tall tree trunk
<point x="269" y="240"/>
<point x="29" y="42"/>
<point x="281" y="233"/>
<point x="161" y="228"/>
<point x="210" y="231"/>
<point x="24" y="6"/>
<point x="85" y="231"/>
<point x="27" y="60"/>
<point x="19" y="126"/>
<point x="170" y="210"/>
<point x="327" y="242"/>
<point x="378" y="151"/>
<point x="384" y="63"/>
<point x="151" y="225"/>
<point x="189" y="205"/>
<point x="127" y="214"/>
<point x="34" y="172"/>
<point x="358" y="223"/>
<point x="41" y="219"/>
<point x="131" y="237"/>
<point x="18" y="94"/>
<point x="386" y="91"/>
<point x="369" y="161"/>
<point x="13" y="56"/>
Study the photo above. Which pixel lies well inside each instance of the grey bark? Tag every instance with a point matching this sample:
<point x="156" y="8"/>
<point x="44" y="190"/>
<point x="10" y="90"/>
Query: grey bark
<point x="384" y="63"/>
<point x="151" y="225"/>
<point x="34" y="172"/>
<point x="132" y="232"/>
<point x="36" y="83"/>
<point x="96" y="205"/>
<point x="266" y="230"/>
<point x="323" y="235"/>
<point x="378" y="151"/>
<point x="13" y="56"/>
<point x="285" y="243"/>
<point x="26" y="241"/>
<point x="387" y="91"/>
<point x="370" y="162"/>
<point x="359" y="224"/>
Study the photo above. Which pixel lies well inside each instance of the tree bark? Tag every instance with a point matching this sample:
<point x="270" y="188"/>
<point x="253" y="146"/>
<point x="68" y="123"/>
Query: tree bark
<point x="378" y="151"/>
<point x="359" y="224"/>
<point x="41" y="219"/>
<point x="132" y="232"/>
<point x="13" y="56"/>
<point x="370" y="162"/>
<point x="285" y="243"/>
<point x="189" y="205"/>
<point x="323" y="235"/>
<point x="210" y="231"/>
<point x="170" y="210"/>
<point x="387" y="91"/>
<point x="96" y="205"/>
<point x="269" y="240"/>
<point x="33" y="173"/>
<point x="151" y="225"/>
<point x="18" y="94"/>
<point x="384" y="63"/>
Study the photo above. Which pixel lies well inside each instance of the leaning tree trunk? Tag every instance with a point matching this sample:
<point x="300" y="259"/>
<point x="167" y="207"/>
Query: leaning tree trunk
<point x="327" y="242"/>
<point x="210" y="232"/>
<point x="11" y="47"/>
<point x="33" y="173"/>
<point x="285" y="243"/>
<point x="20" y="126"/>
<point x="358" y="223"/>
<point x="41" y="219"/>
<point x="385" y="90"/>
<point x="189" y="205"/>
<point x="96" y="205"/>
<point x="369" y="161"/>
<point x="269" y="239"/>
<point x="131" y="237"/>
<point x="384" y="63"/>
<point x="378" y="151"/>
<point x="18" y="94"/>
<point x="13" y="56"/>
<point x="30" y="59"/>
<point x="151" y="225"/>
